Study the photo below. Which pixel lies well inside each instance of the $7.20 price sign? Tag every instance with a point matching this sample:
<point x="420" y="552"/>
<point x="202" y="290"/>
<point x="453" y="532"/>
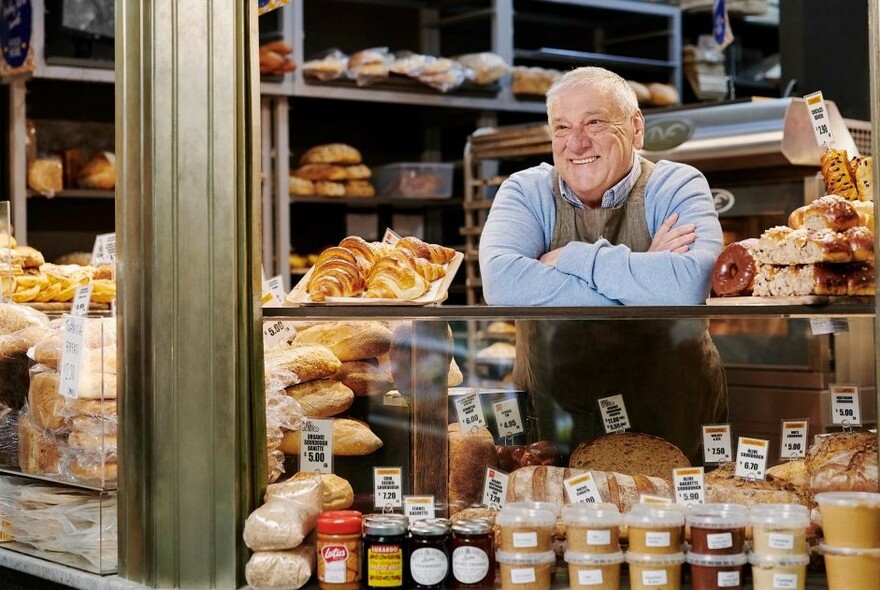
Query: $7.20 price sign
<point x="387" y="487"/>
<point x="495" y="488"/>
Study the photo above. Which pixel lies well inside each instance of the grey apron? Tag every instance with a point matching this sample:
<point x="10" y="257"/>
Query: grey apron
<point x="668" y="371"/>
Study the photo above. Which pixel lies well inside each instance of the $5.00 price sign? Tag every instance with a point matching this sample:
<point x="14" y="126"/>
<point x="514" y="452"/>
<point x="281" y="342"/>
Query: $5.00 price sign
<point x="316" y="446"/>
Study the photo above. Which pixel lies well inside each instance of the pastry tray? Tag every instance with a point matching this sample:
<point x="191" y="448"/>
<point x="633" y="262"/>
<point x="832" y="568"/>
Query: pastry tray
<point x="434" y="296"/>
<point x="817" y="300"/>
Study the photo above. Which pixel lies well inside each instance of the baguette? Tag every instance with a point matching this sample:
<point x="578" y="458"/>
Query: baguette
<point x="350" y="438"/>
<point x="349" y="341"/>
<point x="322" y="398"/>
<point x="306" y="361"/>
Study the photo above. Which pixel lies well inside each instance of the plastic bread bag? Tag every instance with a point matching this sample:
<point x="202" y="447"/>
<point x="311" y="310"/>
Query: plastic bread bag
<point x="274" y="465"/>
<point x="14" y="364"/>
<point x="8" y="436"/>
<point x="39" y="450"/>
<point x="90" y="468"/>
<point x="329" y="65"/>
<point x="369" y="66"/>
<point x="280" y="570"/>
<point x="306" y="488"/>
<point x="487" y="67"/>
<point x="408" y="63"/>
<point x="99" y="346"/>
<point x="444" y="74"/>
<point x="279" y="524"/>
<point x="15" y="317"/>
<point x="47" y="405"/>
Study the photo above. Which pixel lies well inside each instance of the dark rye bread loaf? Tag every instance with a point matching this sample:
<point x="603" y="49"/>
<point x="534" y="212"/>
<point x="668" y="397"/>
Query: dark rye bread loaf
<point x="631" y="453"/>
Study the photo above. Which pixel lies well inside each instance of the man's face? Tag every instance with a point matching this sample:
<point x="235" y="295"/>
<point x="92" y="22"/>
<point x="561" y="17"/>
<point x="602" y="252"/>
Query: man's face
<point x="593" y="141"/>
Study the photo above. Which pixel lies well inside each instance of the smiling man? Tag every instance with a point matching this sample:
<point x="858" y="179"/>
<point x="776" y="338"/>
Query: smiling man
<point x="604" y="226"/>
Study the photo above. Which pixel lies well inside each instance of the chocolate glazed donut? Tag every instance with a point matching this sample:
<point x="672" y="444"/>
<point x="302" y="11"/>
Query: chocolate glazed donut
<point x="734" y="271"/>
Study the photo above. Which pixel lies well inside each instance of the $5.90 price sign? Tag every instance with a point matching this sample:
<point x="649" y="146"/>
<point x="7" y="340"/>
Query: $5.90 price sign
<point x="470" y="412"/>
<point x="71" y="355"/>
<point x="316" y="446"/>
<point x="794" y="439"/>
<point x="716" y="444"/>
<point x="387" y="487"/>
<point x="690" y="486"/>
<point x="508" y="418"/>
<point x="613" y="411"/>
<point x="751" y="457"/>
<point x="495" y="488"/>
<point x="845" y="406"/>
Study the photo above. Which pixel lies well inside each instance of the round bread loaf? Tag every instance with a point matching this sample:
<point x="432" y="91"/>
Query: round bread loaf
<point x="322" y="398"/>
<point x="321" y="172"/>
<point x="365" y="378"/>
<point x="630" y="453"/>
<point x="793" y="472"/>
<point x="663" y="94"/>
<point x="338" y="493"/>
<point x="723" y="487"/>
<point x="643" y="95"/>
<point x="844" y="461"/>
<point x="331" y="153"/>
<point x="470" y="453"/>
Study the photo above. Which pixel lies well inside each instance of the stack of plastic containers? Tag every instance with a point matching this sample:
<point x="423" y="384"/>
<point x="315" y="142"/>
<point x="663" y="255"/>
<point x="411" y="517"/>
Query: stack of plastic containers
<point x="779" y="547"/>
<point x="525" y="556"/>
<point x="717" y="553"/>
<point x="851" y="544"/>
<point x="593" y="553"/>
<point x="655" y="540"/>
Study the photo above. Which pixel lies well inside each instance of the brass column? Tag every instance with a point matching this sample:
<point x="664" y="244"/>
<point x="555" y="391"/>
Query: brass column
<point x="192" y="445"/>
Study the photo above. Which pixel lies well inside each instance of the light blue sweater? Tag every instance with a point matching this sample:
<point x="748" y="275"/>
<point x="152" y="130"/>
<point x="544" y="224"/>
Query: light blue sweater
<point x="519" y="230"/>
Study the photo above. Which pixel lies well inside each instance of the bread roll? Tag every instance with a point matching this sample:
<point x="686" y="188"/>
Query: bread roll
<point x="829" y="212"/>
<point x="359" y="188"/>
<point x="861" y="243"/>
<point x="865" y="210"/>
<point x="332" y="153"/>
<point x="365" y="378"/>
<point x="845" y="461"/>
<point x="631" y="453"/>
<point x="470" y="453"/>
<point x="643" y="95"/>
<point x="46" y="176"/>
<point x="92" y="442"/>
<point x="348" y="340"/>
<point x="350" y="438"/>
<point x="358" y="172"/>
<point x="288" y="569"/>
<point x="92" y="407"/>
<point x="321" y="172"/>
<point x="99" y="172"/>
<point x="663" y="94"/>
<point x="306" y="361"/>
<point x="337" y="491"/>
<point x="300" y="186"/>
<point x="95" y="425"/>
<point x="863" y="170"/>
<point x="329" y="188"/>
<point x="322" y="398"/>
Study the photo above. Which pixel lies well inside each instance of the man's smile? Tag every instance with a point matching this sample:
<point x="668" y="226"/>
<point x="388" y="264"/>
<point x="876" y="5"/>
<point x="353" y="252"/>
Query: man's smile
<point x="589" y="160"/>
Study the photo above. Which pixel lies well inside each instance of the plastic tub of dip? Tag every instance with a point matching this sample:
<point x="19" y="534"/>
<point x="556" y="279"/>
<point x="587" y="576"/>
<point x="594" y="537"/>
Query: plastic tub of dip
<point x="654" y="530"/>
<point x="592" y="528"/>
<point x="653" y="571"/>
<point x="526" y="530"/>
<point x="593" y="571"/>
<point x="715" y="531"/>
<point x="771" y="572"/>
<point x="850" y="519"/>
<point x="711" y="572"/>
<point x="779" y="529"/>
<point x="525" y="571"/>
<point x="549" y="506"/>
<point x="851" y="569"/>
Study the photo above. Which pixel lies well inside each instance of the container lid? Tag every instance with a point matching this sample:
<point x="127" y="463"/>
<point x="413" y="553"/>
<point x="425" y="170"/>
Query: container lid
<point x="718" y="507"/>
<point x="778" y="560"/>
<point x="429" y="528"/>
<point x="598" y="514"/>
<point x="525" y="516"/>
<point x="525" y="558"/>
<point x="339" y="522"/>
<point x="645" y="516"/>
<point x="787" y="515"/>
<point x="476" y="526"/>
<point x="848" y="551"/>
<point x="848" y="499"/>
<point x="708" y="519"/>
<point x="655" y="559"/>
<point x="548" y="506"/>
<point x="384" y="526"/>
<point x="716" y="560"/>
<point x="593" y="558"/>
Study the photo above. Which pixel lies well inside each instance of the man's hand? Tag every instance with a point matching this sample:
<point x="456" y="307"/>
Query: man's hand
<point x="551" y="257"/>
<point x="670" y="239"/>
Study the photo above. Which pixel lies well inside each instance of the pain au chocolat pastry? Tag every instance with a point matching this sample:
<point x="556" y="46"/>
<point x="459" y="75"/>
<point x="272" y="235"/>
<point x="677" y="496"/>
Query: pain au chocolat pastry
<point x="734" y="272"/>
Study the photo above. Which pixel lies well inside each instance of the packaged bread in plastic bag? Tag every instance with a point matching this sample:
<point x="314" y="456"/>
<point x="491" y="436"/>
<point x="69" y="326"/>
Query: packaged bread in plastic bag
<point x="279" y="524"/>
<point x="487" y="67"/>
<point x="280" y="570"/>
<point x="329" y="65"/>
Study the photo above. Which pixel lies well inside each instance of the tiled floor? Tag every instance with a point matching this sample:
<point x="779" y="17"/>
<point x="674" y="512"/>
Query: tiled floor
<point x="13" y="580"/>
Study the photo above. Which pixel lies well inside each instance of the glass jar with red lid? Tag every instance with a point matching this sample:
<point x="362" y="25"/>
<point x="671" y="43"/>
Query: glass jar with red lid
<point x="339" y="550"/>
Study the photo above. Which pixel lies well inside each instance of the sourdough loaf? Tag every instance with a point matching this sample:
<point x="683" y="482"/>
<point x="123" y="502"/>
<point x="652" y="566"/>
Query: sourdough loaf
<point x="631" y="453"/>
<point x="349" y="341"/>
<point x="350" y="438"/>
<point x="322" y="398"/>
<point x="470" y="453"/>
<point x="723" y="487"/>
<point x="306" y="361"/>
<point x="365" y="378"/>
<point x="793" y="472"/>
<point x="845" y="461"/>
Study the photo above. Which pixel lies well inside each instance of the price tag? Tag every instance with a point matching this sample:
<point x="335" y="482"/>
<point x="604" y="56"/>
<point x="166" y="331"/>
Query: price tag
<point x="316" y="446"/>
<point x="794" y="439"/>
<point x="828" y="326"/>
<point x="81" y="299"/>
<point x="845" y="407"/>
<point x="495" y="488"/>
<point x="690" y="485"/>
<point x="819" y="119"/>
<point x="275" y="333"/>
<point x="104" y="250"/>
<point x="614" y="415"/>
<point x="716" y="444"/>
<point x="418" y="507"/>
<point x="582" y="488"/>
<point x="470" y="412"/>
<point x="387" y="487"/>
<point x="508" y="418"/>
<point x="390" y="237"/>
<point x="71" y="355"/>
<point x="275" y="288"/>
<point x="751" y="457"/>
<point x="656" y="500"/>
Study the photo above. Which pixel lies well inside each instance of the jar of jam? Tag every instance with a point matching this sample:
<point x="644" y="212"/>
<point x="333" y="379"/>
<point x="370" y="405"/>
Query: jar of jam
<point x="428" y="553"/>
<point x="473" y="555"/>
<point x="339" y="550"/>
<point x="384" y="552"/>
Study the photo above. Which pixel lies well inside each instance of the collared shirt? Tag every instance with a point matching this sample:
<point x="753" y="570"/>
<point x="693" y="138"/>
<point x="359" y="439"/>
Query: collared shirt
<point x="613" y="197"/>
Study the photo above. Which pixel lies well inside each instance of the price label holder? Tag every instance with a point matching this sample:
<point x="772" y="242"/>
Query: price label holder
<point x="276" y="332"/>
<point x="582" y="488"/>
<point x="614" y="416"/>
<point x="655" y="500"/>
<point x="690" y="485"/>
<point x="508" y="418"/>
<point x="275" y="288"/>
<point x="316" y="446"/>
<point x="495" y="488"/>
<point x="390" y="236"/>
<point x="794" y="439"/>
<point x="717" y="447"/>
<point x="104" y="250"/>
<point x="387" y="487"/>
<point x="845" y="406"/>
<point x="418" y="507"/>
<point x="82" y="296"/>
<point x="71" y="355"/>
<point x="821" y="326"/>
<point x="751" y="457"/>
<point x="819" y="119"/>
<point x="470" y="412"/>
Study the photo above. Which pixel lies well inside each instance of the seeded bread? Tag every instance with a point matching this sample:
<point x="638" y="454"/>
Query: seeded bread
<point x="631" y="453"/>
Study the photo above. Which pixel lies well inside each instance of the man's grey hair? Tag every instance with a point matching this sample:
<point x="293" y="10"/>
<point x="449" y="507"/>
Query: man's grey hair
<point x="593" y="79"/>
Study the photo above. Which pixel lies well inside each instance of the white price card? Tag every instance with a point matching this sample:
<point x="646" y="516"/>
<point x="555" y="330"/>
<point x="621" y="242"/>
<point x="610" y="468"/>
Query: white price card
<point x="316" y="446"/>
<point x="495" y="488"/>
<point x="71" y="355"/>
<point x="470" y="412"/>
<point x="387" y="487"/>
<point x="717" y="447"/>
<point x="582" y="488"/>
<point x="614" y="416"/>
<point x="390" y="236"/>
<point x="690" y="485"/>
<point x="276" y="332"/>
<point x="819" y="119"/>
<point x="82" y="296"/>
<point x="794" y="439"/>
<point x="104" y="250"/>
<point x="418" y="507"/>
<point x="751" y="457"/>
<point x="845" y="406"/>
<point x="275" y="288"/>
<point x="820" y="326"/>
<point x="508" y="417"/>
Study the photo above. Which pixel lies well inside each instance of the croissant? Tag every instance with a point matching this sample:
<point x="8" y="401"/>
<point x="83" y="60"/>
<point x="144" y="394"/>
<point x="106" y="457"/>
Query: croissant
<point x="432" y="252"/>
<point x="364" y="254"/>
<point x="335" y="274"/>
<point x="429" y="270"/>
<point x="395" y="277"/>
<point x="838" y="177"/>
